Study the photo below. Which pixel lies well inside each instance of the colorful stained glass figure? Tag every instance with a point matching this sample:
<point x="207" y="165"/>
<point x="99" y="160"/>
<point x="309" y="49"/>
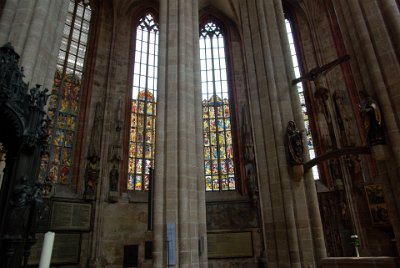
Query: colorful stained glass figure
<point x="63" y="104"/>
<point x="138" y="183"/>
<point x="222" y="153"/>
<point x="205" y="112"/>
<point x="231" y="183"/>
<point x="221" y="138"/>
<point x="206" y="124"/>
<point x="224" y="169"/>
<point x="206" y="139"/>
<point x="206" y="154"/>
<point x="214" y="167"/>
<point x="214" y="138"/>
<point x="217" y="126"/>
<point x="214" y="150"/>
<point x="53" y="174"/>
<point x="68" y="138"/>
<point x="64" y="172"/>
<point x="66" y="156"/>
<point x="148" y="151"/>
<point x="209" y="183"/>
<point x="224" y="183"/>
<point x="57" y="155"/>
<point x="215" y="183"/>
<point x="143" y="112"/>
<point x="132" y="137"/>
<point x="211" y="112"/>
<point x="207" y="167"/>
<point x="131" y="179"/>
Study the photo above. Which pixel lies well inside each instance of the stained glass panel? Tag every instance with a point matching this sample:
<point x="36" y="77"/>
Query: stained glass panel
<point x="143" y="115"/>
<point x="219" y="173"/>
<point x="63" y="104"/>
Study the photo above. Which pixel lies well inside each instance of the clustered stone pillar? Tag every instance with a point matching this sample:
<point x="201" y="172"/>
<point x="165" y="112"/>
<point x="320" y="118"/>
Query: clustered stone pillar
<point x="292" y="226"/>
<point x="371" y="34"/>
<point x="375" y="54"/>
<point x="34" y="28"/>
<point x="179" y="189"/>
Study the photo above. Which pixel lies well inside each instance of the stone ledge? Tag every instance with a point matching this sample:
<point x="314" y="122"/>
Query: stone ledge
<point x="356" y="262"/>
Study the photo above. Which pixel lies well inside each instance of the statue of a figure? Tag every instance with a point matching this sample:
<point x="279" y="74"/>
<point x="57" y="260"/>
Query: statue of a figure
<point x="344" y="118"/>
<point x="92" y="166"/>
<point x="37" y="211"/>
<point x="92" y="175"/>
<point x="20" y="205"/>
<point x="114" y="176"/>
<point x="372" y="119"/>
<point x="295" y="144"/>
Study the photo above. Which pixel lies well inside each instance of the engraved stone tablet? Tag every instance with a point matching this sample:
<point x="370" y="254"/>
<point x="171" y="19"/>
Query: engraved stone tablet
<point x="71" y="216"/>
<point x="66" y="249"/>
<point x="230" y="245"/>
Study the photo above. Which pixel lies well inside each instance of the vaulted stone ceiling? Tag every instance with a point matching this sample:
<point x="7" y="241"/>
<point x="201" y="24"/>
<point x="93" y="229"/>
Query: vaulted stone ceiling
<point x="228" y="7"/>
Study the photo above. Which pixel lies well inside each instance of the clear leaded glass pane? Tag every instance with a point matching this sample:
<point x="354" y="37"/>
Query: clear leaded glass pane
<point x="301" y="96"/>
<point x="143" y="114"/>
<point x="217" y="130"/>
<point x="65" y="95"/>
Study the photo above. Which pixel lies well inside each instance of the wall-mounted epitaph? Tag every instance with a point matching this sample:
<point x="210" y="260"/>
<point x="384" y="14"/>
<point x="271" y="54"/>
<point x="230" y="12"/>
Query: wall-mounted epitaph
<point x="66" y="249"/>
<point x="70" y="216"/>
<point x="230" y="245"/>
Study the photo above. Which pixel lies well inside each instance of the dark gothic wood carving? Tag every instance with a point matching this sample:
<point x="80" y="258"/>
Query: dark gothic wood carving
<point x="24" y="135"/>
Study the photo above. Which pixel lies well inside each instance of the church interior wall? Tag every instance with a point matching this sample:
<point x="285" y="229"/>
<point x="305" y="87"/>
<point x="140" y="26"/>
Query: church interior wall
<point x="288" y="227"/>
<point x="321" y="45"/>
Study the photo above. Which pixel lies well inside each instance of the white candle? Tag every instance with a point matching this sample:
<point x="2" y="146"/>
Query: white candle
<point x="47" y="249"/>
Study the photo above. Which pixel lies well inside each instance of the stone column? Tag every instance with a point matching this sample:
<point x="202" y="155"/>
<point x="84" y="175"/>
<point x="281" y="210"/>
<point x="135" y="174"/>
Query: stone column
<point x="368" y="28"/>
<point x="179" y="186"/>
<point x="291" y="223"/>
<point x="375" y="57"/>
<point x="391" y="16"/>
<point x="34" y="28"/>
<point x="308" y="191"/>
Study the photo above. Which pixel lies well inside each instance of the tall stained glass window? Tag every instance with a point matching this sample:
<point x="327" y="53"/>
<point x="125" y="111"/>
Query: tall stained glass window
<point x="143" y="114"/>
<point x="217" y="128"/>
<point x="66" y="94"/>
<point x="300" y="90"/>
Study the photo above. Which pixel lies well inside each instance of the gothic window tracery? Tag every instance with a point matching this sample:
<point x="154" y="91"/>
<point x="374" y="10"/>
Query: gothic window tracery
<point x="219" y="164"/>
<point x="143" y="108"/>
<point x="64" y="101"/>
<point x="300" y="90"/>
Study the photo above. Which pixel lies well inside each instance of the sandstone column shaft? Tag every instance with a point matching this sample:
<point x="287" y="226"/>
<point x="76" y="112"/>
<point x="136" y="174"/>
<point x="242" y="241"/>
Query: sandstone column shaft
<point x="179" y="194"/>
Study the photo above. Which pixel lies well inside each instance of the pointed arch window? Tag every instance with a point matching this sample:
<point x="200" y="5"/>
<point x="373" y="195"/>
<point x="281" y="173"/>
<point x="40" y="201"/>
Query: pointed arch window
<point x="143" y="108"/>
<point x="64" y="102"/>
<point x="219" y="164"/>
<point x="300" y="90"/>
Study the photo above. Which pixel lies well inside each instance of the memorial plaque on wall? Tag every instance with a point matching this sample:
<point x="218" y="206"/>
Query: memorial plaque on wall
<point x="66" y="249"/>
<point x="230" y="245"/>
<point x="70" y="216"/>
